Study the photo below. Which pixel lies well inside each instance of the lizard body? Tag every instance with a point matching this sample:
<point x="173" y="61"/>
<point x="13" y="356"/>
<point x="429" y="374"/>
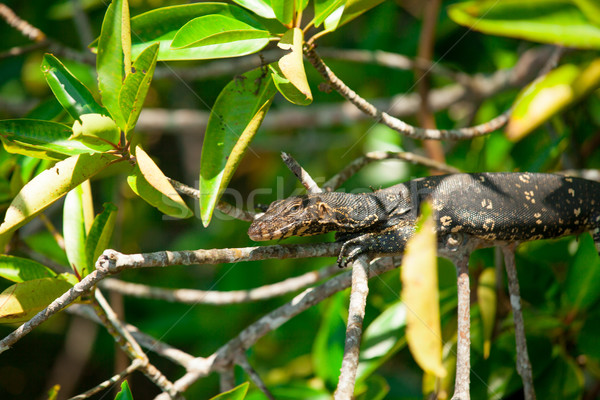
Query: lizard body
<point x="492" y="207"/>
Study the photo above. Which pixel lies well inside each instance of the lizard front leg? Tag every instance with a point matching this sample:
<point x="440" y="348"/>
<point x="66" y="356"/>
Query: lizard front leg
<point x="390" y="241"/>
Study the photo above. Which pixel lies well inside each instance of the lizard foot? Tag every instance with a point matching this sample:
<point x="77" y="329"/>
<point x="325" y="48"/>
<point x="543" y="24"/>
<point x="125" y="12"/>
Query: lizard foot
<point x="349" y="253"/>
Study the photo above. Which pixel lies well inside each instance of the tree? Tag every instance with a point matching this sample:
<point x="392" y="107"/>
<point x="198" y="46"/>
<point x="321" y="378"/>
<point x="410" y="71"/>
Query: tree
<point x="127" y="139"/>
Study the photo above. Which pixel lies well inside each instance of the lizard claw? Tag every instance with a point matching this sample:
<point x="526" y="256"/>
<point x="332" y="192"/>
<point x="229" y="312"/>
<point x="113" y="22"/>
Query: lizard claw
<point x="349" y="253"/>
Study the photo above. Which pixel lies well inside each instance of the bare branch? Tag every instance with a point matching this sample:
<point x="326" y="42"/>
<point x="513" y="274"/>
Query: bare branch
<point x="192" y="296"/>
<point x="523" y="363"/>
<point x="370" y="157"/>
<point x="356" y="315"/>
<point x="26" y="29"/>
<point x="303" y="176"/>
<point x="463" y="347"/>
<point x="242" y="361"/>
<point x="395" y="123"/>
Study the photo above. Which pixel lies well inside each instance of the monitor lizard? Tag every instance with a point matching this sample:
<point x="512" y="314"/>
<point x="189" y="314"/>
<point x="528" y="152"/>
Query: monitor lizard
<point x="491" y="207"/>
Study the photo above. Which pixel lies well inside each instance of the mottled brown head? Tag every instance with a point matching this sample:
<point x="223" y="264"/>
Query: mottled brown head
<point x="295" y="216"/>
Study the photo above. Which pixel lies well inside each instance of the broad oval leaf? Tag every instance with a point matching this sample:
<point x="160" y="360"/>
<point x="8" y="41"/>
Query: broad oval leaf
<point x="550" y="94"/>
<point x="237" y="393"/>
<point x="96" y="131"/>
<point x="68" y="90"/>
<point x="162" y="24"/>
<point x="136" y="85"/>
<point x="148" y="182"/>
<point x="19" y="269"/>
<point x="559" y="22"/>
<point x="78" y="214"/>
<point x="99" y="236"/>
<point x="229" y="132"/>
<point x="51" y="185"/>
<point x="259" y="7"/>
<point x="288" y="73"/>
<point x="110" y="61"/>
<point x="21" y="301"/>
<point x="216" y="29"/>
<point x="486" y="297"/>
<point x="420" y="293"/>
<point x="324" y="8"/>
<point x="45" y="137"/>
<point x="284" y="10"/>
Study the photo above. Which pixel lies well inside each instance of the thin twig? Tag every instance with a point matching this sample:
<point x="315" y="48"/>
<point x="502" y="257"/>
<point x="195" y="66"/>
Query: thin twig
<point x="135" y="364"/>
<point x="368" y="158"/>
<point x="243" y="362"/>
<point x="395" y="123"/>
<point x="463" y="346"/>
<point x="356" y="315"/>
<point x="300" y="173"/>
<point x="192" y="296"/>
<point x="523" y="363"/>
<point x="26" y="29"/>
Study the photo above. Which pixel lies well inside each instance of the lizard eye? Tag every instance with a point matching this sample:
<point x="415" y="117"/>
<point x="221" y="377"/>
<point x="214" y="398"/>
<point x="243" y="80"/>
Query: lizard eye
<point x="295" y="208"/>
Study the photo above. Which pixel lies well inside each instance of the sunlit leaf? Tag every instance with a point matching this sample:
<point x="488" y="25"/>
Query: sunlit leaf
<point x="288" y="73"/>
<point x="549" y="95"/>
<point x="136" y="85"/>
<point x="284" y="10"/>
<point x="353" y="9"/>
<point x="324" y="8"/>
<point x="19" y="269"/>
<point x="216" y="29"/>
<point x="559" y="22"/>
<point x="237" y="393"/>
<point x="229" y="132"/>
<point x="74" y="226"/>
<point x="486" y="297"/>
<point x="149" y="182"/>
<point x="110" y="61"/>
<point x="162" y="24"/>
<point x="51" y="185"/>
<point x="589" y="8"/>
<point x="125" y="392"/>
<point x="259" y="7"/>
<point x="96" y="131"/>
<point x="68" y="90"/>
<point x="421" y="296"/>
<point x="99" y="236"/>
<point x="21" y="301"/>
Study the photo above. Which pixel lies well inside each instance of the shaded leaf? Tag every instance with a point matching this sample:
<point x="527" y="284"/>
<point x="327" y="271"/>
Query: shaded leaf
<point x="583" y="276"/>
<point x="19" y="269"/>
<point x="421" y="296"/>
<point x="237" y="393"/>
<point x="216" y="29"/>
<point x="162" y="24"/>
<point x="486" y="297"/>
<point x="136" y="85"/>
<point x="229" y="132"/>
<point x="51" y="185"/>
<point x="68" y="90"/>
<point x="110" y="61"/>
<point x="259" y="7"/>
<point x="353" y="9"/>
<point x="288" y="73"/>
<point x="328" y="347"/>
<point x="21" y="301"/>
<point x="99" y="235"/>
<point x="44" y="139"/>
<point x="559" y="22"/>
<point x="284" y="10"/>
<point x="563" y="379"/>
<point x="148" y="182"/>
<point x="549" y="95"/>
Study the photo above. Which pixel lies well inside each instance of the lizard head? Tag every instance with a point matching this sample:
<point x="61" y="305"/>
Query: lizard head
<point x="295" y="216"/>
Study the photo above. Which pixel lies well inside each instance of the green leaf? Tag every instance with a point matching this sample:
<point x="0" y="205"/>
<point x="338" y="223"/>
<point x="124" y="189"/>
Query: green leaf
<point x="324" y="8"/>
<point x="216" y="29"/>
<point x="589" y="8"/>
<point x="125" y="392"/>
<point x="259" y="7"/>
<point x="99" y="236"/>
<point x="550" y="94"/>
<point x="559" y="22"/>
<point x="68" y="90"/>
<point x="420" y="293"/>
<point x="583" y="276"/>
<point x="229" y="132"/>
<point x="237" y="393"/>
<point x="77" y="208"/>
<point x="328" y="347"/>
<point x="374" y="388"/>
<point x="284" y="10"/>
<point x="21" y="301"/>
<point x="288" y="73"/>
<point x="51" y="185"/>
<point x="382" y="338"/>
<point x="42" y="139"/>
<point x="110" y="61"/>
<point x="353" y="9"/>
<point x="97" y="132"/>
<point x="486" y="297"/>
<point x="162" y="24"/>
<point x="587" y="338"/>
<point x="563" y="379"/>
<point x="136" y="85"/>
<point x="19" y="269"/>
<point x="148" y="182"/>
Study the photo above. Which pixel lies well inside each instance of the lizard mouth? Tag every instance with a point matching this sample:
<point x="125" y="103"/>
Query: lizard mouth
<point x="257" y="234"/>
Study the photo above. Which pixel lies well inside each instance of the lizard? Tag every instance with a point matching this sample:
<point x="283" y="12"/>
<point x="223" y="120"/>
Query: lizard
<point x="491" y="207"/>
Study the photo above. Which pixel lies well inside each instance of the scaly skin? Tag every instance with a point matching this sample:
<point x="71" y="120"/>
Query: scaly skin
<point x="492" y="207"/>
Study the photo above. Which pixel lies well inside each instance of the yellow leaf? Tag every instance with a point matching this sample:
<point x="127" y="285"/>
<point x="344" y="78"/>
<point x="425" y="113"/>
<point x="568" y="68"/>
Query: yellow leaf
<point x="292" y="64"/>
<point x="420" y="294"/>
